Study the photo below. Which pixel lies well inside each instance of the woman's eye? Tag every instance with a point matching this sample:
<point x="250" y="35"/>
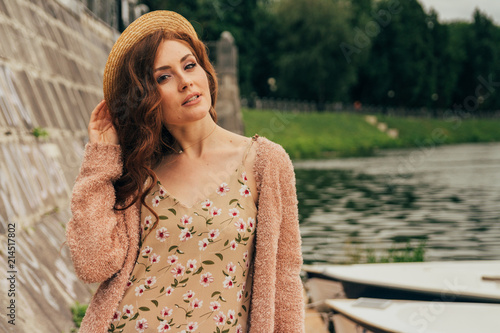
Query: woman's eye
<point x="191" y="65"/>
<point x="162" y="78"/>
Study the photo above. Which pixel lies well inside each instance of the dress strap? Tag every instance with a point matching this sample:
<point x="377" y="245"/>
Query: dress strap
<point x="254" y="138"/>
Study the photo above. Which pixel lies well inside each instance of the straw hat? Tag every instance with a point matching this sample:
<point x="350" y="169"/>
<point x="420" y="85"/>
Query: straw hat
<point x="146" y="24"/>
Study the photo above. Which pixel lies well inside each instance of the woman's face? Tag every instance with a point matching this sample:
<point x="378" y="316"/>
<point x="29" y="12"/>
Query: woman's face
<point x="182" y="82"/>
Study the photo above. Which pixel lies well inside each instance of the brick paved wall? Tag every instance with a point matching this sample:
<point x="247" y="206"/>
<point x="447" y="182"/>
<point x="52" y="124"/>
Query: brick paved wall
<point x="51" y="63"/>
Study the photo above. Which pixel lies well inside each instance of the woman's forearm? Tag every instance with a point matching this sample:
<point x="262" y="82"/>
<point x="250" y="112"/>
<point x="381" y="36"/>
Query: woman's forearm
<point x="96" y="238"/>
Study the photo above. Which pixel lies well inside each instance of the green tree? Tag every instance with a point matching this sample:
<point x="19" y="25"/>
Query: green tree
<point x="482" y="51"/>
<point x="361" y="12"/>
<point x="265" y="55"/>
<point x="311" y="64"/>
<point x="446" y="64"/>
<point x="401" y="70"/>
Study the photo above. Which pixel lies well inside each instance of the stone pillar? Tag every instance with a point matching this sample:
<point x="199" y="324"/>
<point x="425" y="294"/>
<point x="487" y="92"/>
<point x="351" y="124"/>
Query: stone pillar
<point x="228" y="101"/>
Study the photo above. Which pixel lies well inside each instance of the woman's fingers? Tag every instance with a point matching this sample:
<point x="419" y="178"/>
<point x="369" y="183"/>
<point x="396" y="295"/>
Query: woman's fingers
<point x="97" y="110"/>
<point x="100" y="123"/>
<point x="100" y="113"/>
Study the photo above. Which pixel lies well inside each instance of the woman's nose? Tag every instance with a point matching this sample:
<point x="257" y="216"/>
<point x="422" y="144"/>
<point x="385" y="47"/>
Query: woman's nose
<point x="184" y="82"/>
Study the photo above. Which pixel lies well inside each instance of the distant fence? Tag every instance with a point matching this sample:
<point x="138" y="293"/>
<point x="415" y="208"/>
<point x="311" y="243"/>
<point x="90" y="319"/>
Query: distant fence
<point x="310" y="106"/>
<point x="283" y="104"/>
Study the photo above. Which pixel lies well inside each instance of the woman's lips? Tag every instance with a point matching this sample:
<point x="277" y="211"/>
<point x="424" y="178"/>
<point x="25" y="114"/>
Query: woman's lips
<point x="192" y="99"/>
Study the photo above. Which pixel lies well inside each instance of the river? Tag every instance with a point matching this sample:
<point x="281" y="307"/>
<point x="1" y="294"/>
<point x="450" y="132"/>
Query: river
<point x="447" y="196"/>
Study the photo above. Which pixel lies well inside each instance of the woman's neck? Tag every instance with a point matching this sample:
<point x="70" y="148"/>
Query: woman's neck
<point x="196" y="138"/>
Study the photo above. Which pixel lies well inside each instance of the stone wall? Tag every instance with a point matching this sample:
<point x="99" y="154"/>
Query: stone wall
<point x="51" y="62"/>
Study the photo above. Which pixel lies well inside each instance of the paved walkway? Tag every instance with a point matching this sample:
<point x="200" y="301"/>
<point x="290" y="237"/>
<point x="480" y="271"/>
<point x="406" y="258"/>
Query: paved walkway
<point x="313" y="321"/>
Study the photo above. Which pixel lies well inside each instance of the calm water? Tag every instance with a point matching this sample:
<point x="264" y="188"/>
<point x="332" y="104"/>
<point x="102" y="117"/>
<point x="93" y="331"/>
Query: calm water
<point x="448" y="196"/>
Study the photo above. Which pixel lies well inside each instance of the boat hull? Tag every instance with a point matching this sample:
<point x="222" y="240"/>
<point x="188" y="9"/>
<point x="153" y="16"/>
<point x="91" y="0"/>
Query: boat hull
<point x="388" y="316"/>
<point x="468" y="281"/>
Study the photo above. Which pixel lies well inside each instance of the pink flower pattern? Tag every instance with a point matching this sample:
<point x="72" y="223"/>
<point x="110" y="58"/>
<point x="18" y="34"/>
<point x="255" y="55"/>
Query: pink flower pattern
<point x="206" y="249"/>
<point x="162" y="234"/>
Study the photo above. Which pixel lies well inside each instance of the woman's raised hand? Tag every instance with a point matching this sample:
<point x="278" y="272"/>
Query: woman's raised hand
<point x="101" y="128"/>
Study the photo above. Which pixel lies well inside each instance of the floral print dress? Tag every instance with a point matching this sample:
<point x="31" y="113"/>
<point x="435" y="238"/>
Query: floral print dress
<point x="192" y="271"/>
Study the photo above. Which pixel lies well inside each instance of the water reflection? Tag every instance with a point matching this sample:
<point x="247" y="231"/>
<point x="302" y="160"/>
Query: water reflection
<point x="447" y="196"/>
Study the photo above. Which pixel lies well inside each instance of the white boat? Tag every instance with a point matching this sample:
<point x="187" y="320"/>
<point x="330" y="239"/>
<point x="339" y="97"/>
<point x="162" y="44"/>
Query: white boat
<point x="384" y="316"/>
<point x="472" y="281"/>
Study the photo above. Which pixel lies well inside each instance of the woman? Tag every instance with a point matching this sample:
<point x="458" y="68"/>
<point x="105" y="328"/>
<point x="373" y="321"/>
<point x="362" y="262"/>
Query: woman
<point x="187" y="226"/>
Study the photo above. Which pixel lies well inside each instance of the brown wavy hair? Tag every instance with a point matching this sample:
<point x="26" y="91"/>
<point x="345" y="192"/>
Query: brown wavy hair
<point x="136" y="114"/>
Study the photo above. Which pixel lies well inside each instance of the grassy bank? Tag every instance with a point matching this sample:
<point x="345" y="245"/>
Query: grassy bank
<point x="325" y="135"/>
<point x="414" y="131"/>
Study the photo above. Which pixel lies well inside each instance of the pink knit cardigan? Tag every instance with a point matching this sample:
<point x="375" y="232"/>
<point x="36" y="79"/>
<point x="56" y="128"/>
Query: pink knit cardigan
<point x="104" y="244"/>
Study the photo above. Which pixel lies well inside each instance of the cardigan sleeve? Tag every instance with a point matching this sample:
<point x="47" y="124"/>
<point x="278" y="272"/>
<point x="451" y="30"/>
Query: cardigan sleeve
<point x="289" y="298"/>
<point x="97" y="242"/>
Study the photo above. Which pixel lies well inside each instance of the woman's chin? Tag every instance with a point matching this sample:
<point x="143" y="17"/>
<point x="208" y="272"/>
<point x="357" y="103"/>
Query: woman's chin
<point x="191" y="116"/>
